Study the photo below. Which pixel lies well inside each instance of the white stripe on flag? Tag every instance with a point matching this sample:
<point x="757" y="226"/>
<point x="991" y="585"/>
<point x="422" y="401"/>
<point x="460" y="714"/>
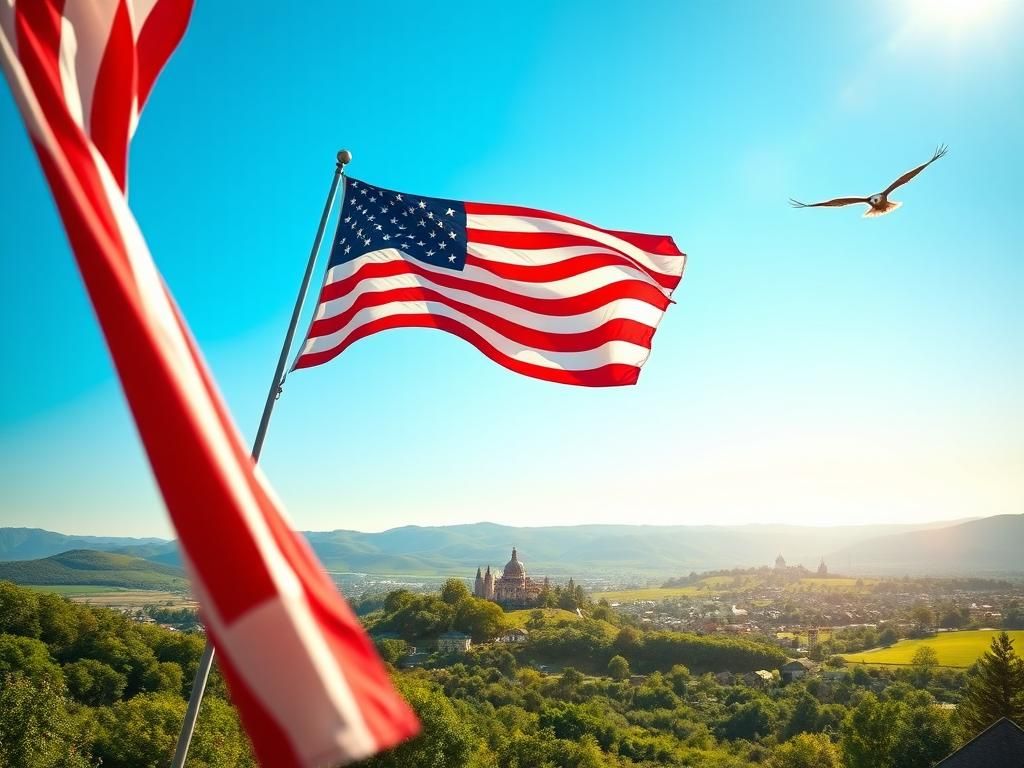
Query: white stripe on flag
<point x="667" y="265"/>
<point x="625" y="308"/>
<point x="555" y="289"/>
<point x="89" y="22"/>
<point x="623" y="352"/>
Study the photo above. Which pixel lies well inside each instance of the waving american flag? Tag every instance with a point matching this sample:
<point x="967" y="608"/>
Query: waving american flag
<point x="307" y="682"/>
<point x="542" y="294"/>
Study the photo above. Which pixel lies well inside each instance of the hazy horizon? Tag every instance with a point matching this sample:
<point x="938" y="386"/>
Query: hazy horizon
<point x="818" y="368"/>
<point x="931" y="523"/>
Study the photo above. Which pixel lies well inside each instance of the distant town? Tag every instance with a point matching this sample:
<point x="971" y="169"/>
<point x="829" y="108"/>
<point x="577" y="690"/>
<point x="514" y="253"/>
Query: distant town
<point x="729" y="667"/>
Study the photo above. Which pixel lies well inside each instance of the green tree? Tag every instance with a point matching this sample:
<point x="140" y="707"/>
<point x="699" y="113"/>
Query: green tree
<point x="482" y="619"/>
<point x="36" y="727"/>
<point x="923" y="616"/>
<point x="454" y="591"/>
<point x="923" y="663"/>
<point x="140" y="732"/>
<point x="679" y="678"/>
<point x="628" y="641"/>
<point x="19" y="611"/>
<point x="445" y="739"/>
<point x="753" y="720"/>
<point x="869" y="733"/>
<point x="804" y="718"/>
<point x="618" y="668"/>
<point x="925" y="657"/>
<point x="887" y="636"/>
<point x="392" y="651"/>
<point x="923" y="737"/>
<point x="805" y="750"/>
<point x="219" y="740"/>
<point x="31" y="657"/>
<point x="951" y="617"/>
<point x="181" y="648"/>
<point x="994" y="689"/>
<point x="397" y="600"/>
<point x="61" y="622"/>
<point x="93" y="682"/>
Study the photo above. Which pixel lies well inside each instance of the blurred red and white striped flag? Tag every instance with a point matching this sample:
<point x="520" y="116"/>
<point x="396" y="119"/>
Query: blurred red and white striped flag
<point x="305" y="677"/>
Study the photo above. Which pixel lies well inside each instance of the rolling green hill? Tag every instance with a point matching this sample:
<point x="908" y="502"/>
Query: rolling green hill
<point x="954" y="649"/>
<point x="991" y="545"/>
<point x="986" y="546"/>
<point x="573" y="550"/>
<point x="33" y="543"/>
<point x="83" y="566"/>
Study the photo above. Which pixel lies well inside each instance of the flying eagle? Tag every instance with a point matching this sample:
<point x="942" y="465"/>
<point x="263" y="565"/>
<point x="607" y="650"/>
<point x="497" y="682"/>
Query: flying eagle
<point x="878" y="204"/>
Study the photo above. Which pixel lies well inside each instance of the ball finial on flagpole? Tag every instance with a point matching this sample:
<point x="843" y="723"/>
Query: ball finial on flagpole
<point x="344" y="157"/>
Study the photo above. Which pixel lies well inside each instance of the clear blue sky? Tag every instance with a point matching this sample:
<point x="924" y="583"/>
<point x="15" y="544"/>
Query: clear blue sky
<point x="818" y="367"/>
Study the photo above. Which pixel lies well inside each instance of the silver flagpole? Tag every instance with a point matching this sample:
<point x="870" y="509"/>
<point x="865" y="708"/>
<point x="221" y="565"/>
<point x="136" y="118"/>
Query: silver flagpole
<point x="206" y="660"/>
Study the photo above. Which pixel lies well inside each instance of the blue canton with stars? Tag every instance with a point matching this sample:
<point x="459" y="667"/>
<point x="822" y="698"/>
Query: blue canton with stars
<point x="428" y="229"/>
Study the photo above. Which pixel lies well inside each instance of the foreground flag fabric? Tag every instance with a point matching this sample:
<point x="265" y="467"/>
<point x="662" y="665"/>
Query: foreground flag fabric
<point x="539" y="293"/>
<point x="308" y="684"/>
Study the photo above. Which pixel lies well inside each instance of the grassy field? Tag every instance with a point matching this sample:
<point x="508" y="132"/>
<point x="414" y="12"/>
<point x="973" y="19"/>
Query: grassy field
<point x="650" y="593"/>
<point x="817" y="584"/>
<point x="955" y="649"/>
<point x="117" y="597"/>
<point x="75" y="590"/>
<point x="519" y="618"/>
<point x="823" y="635"/>
<point x="716" y="585"/>
<point x="555" y="616"/>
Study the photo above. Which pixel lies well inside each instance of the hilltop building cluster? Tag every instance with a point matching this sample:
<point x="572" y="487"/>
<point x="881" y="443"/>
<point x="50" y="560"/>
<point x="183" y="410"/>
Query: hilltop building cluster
<point x="513" y="588"/>
<point x="780" y="566"/>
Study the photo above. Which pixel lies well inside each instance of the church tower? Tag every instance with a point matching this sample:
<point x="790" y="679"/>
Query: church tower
<point x="478" y="585"/>
<point x="488" y="585"/>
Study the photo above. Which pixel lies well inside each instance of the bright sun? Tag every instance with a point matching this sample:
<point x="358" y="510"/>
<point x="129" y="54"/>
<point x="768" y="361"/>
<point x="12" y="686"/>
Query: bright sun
<point x="957" y="22"/>
<point x="954" y="15"/>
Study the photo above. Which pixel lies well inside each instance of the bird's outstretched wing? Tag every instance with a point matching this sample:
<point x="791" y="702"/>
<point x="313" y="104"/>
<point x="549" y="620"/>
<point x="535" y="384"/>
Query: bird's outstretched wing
<point x="828" y="203"/>
<point x="939" y="152"/>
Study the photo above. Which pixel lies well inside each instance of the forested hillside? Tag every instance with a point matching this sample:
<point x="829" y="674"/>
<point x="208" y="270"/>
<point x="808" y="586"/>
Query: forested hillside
<point x="85" y="566"/>
<point x="983" y="546"/>
<point x="82" y="687"/>
<point x="34" y="543"/>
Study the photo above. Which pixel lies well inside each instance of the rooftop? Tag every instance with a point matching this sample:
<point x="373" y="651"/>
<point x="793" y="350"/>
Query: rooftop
<point x="1001" y="745"/>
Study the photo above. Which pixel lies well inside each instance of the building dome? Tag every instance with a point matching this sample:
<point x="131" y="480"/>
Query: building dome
<point x="513" y="568"/>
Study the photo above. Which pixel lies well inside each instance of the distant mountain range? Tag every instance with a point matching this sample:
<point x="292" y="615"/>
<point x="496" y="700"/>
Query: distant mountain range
<point x="30" y="543"/>
<point x="984" y="546"/>
<point x="86" y="566"/>
<point x="978" y="547"/>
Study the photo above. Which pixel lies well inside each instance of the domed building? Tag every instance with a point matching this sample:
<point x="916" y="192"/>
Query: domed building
<point x="513" y="588"/>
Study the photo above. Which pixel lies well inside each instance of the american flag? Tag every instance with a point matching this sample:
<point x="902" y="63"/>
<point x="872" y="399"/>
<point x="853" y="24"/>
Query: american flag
<point x="307" y="682"/>
<point x="542" y="294"/>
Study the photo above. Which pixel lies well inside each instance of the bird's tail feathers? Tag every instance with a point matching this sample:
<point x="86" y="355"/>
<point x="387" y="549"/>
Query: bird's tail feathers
<point x="890" y="206"/>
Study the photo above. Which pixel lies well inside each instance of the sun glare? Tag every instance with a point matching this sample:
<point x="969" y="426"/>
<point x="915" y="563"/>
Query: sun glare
<point x="954" y="16"/>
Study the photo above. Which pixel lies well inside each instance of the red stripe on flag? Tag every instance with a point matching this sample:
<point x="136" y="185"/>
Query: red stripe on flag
<point x="563" y="306"/>
<point x="159" y="36"/>
<point x="536" y="240"/>
<point x="611" y="375"/>
<point x="113" y="96"/>
<point x="546" y="273"/>
<point x="660" y="244"/>
<point x="617" y="329"/>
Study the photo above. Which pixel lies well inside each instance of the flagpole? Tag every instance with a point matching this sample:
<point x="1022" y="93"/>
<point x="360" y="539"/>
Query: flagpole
<point x="206" y="660"/>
